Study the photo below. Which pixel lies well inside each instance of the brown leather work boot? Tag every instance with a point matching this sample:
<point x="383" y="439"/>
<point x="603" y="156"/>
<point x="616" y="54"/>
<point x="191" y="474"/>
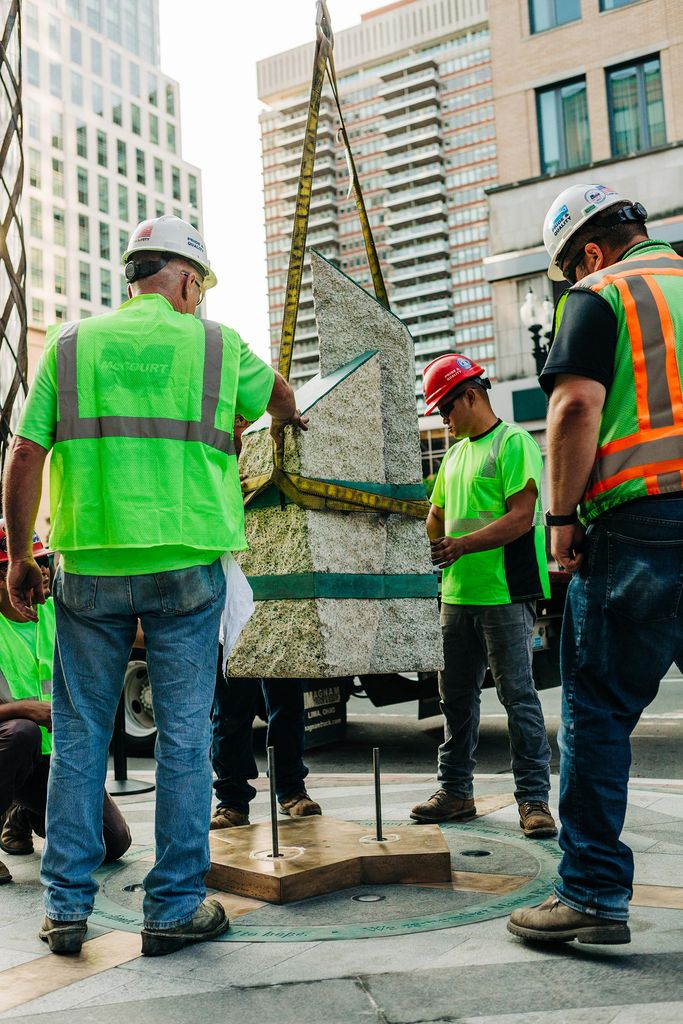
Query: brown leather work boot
<point x="228" y="817"/>
<point x="63" y="936"/>
<point x="16" y="831"/>
<point x="536" y="821"/>
<point x="553" y="921"/>
<point x="5" y="876"/>
<point x="443" y="806"/>
<point x="208" y="922"/>
<point x="300" y="805"/>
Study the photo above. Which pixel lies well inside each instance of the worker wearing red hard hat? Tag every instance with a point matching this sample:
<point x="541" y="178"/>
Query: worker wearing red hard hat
<point x="26" y="654"/>
<point x="485" y="525"/>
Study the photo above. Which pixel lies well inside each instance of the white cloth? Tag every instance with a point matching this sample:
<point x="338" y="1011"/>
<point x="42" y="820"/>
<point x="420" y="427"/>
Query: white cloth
<point x="239" y="605"/>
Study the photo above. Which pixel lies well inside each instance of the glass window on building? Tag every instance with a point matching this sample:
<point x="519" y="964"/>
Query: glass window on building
<point x="58" y="226"/>
<point x="75" y="46"/>
<point x="93" y="14"/>
<point x="97" y="99"/>
<point x="84" y="280"/>
<point x="34" y="167"/>
<point x="135" y="119"/>
<point x="83" y="233"/>
<point x="54" y="34"/>
<point x="76" y="88"/>
<point x="175" y="182"/>
<point x="123" y="284"/>
<point x="611" y="5"/>
<point x="140" y="166"/>
<point x="60" y="274"/>
<point x="56" y="80"/>
<point x="563" y="129"/>
<point x="194" y="221"/>
<point x="134" y="79"/>
<point x="57" y="178"/>
<point x="192" y="189"/>
<point x="81" y="139"/>
<point x="123" y="203"/>
<point x="636" y="107"/>
<point x="105" y="245"/>
<point x="170" y="101"/>
<point x="32" y="67"/>
<point x="36" y="217"/>
<point x="60" y="312"/>
<point x="105" y="286"/>
<point x="170" y="137"/>
<point x="121" y="160"/>
<point x="154" y="129"/>
<point x="82" y="182"/>
<point x="152" y="89"/>
<point x="158" y="174"/>
<point x="102" y="157"/>
<point x="117" y="110"/>
<point x="96" y="57"/>
<point x="159" y="209"/>
<point x="115" y="67"/>
<point x="57" y="130"/>
<point x="545" y="14"/>
<point x="37" y="268"/>
<point x="102" y="194"/>
<point x="123" y="241"/>
<point x="142" y="207"/>
<point x="30" y="20"/>
<point x="38" y="311"/>
<point x="32" y="114"/>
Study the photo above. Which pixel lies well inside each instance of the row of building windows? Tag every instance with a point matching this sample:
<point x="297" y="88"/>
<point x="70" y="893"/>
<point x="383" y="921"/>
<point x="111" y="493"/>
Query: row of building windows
<point x="545" y="14"/>
<point x="142" y="206"/>
<point x="129" y="23"/>
<point x="636" y="115"/>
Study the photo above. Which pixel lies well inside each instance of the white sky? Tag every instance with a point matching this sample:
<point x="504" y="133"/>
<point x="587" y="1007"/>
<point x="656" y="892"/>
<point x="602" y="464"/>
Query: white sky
<point x="211" y="48"/>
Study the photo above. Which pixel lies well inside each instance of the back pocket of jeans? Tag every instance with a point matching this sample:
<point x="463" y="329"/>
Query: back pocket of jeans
<point x="644" y="578"/>
<point x="184" y="591"/>
<point x="76" y="592"/>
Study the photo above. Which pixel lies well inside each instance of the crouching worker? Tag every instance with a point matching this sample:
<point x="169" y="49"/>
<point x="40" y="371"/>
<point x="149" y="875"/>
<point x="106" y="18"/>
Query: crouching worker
<point x="486" y="531"/>
<point x="26" y="652"/>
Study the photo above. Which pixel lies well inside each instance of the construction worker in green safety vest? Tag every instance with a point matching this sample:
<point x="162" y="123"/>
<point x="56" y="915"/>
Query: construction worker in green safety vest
<point x="26" y="656"/>
<point x="138" y="407"/>
<point x="615" y="455"/>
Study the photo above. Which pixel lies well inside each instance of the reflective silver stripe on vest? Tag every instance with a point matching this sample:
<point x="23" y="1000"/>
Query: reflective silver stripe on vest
<point x="644" y="265"/>
<point x="72" y="426"/>
<point x="471" y="524"/>
<point x="5" y="692"/>
<point x="489" y="467"/>
<point x="46" y="687"/>
<point x="641" y="454"/>
<point x="654" y="351"/>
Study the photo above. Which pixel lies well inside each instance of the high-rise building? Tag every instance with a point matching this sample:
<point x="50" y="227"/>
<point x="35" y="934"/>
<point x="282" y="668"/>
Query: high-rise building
<point x="415" y="86"/>
<point x="102" y="148"/>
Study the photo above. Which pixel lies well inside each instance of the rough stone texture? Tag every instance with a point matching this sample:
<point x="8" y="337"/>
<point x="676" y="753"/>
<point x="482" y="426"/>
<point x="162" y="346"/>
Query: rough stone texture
<point x="363" y="429"/>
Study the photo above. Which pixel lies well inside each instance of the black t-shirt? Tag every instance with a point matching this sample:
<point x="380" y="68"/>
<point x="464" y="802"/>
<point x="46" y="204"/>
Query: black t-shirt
<point x="585" y="343"/>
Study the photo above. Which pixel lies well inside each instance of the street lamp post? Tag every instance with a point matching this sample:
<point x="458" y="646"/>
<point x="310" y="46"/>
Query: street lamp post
<point x="537" y="317"/>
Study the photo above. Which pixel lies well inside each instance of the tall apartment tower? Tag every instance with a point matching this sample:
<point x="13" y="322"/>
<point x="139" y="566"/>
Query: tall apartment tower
<point x="102" y="146"/>
<point x="415" y="85"/>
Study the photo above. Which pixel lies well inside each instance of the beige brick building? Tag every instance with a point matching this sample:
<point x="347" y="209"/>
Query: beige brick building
<point x="584" y="90"/>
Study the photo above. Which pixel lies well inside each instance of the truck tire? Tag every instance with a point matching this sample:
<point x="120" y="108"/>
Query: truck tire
<point x="141" y="730"/>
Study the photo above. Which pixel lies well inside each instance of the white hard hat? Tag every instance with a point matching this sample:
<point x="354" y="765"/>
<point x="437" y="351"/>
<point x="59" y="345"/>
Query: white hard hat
<point x="170" y="234"/>
<point x="568" y="213"/>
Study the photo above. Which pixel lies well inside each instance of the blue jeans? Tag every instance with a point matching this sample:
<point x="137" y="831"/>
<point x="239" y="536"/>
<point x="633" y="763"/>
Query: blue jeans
<point x="499" y="636"/>
<point x="623" y="628"/>
<point x="232" y="751"/>
<point x="97" y="617"/>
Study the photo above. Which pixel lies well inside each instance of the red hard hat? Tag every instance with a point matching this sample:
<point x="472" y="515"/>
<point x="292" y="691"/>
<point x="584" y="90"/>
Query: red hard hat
<point x="38" y="546"/>
<point x="445" y="373"/>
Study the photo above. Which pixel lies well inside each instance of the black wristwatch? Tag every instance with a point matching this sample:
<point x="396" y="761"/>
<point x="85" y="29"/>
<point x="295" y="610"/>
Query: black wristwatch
<point x="568" y="520"/>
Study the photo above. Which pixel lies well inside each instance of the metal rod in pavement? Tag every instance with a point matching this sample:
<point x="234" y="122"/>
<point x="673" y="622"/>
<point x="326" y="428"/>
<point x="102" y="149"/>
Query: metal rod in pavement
<point x="273" y="801"/>
<point x="378" y="796"/>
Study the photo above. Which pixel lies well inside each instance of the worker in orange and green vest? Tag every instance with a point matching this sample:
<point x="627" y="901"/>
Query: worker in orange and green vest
<point x="26" y="656"/>
<point x="615" y="455"/>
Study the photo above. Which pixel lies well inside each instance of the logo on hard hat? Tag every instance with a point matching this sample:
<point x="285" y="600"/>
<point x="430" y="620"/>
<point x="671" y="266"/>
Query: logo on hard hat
<point x="143" y="231"/>
<point x="562" y="217"/>
<point x="463" y="363"/>
<point x="598" y="194"/>
<point x="195" y="243"/>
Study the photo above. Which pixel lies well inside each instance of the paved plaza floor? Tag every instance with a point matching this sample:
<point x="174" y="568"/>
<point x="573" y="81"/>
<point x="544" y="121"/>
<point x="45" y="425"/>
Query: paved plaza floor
<point x="399" y="954"/>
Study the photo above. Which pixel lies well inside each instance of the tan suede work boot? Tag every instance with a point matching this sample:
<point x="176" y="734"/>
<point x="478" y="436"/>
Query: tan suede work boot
<point x="16" y="832"/>
<point x="536" y="821"/>
<point x="63" y="936"/>
<point x="300" y="805"/>
<point x="5" y="876"/>
<point x="442" y="806"/>
<point x="553" y="921"/>
<point x="228" y="817"/>
<point x="208" y="922"/>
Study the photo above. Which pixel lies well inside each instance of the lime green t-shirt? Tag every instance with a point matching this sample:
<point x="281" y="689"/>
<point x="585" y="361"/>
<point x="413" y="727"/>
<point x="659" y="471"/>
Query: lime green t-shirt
<point x="473" y="484"/>
<point x="38" y="423"/>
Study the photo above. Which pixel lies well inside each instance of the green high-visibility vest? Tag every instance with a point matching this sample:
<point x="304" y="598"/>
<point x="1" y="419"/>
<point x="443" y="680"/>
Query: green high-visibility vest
<point x="144" y="453"/>
<point x="27" y="674"/>
<point x="640" y="441"/>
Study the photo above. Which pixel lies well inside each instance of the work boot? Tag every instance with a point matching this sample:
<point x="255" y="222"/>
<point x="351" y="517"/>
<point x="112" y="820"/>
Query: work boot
<point x="299" y="805"/>
<point x="553" y="921"/>
<point x="443" y="806"/>
<point x="5" y="876"/>
<point x="16" y="831"/>
<point x="228" y="817"/>
<point x="535" y="820"/>
<point x="63" y="936"/>
<point x="209" y="921"/>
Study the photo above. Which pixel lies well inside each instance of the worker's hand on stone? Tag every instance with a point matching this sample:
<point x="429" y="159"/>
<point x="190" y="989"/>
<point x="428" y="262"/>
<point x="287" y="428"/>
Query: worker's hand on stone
<point x="38" y="711"/>
<point x="25" y="586"/>
<point x="566" y="544"/>
<point x="447" y="550"/>
<point x="277" y="427"/>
